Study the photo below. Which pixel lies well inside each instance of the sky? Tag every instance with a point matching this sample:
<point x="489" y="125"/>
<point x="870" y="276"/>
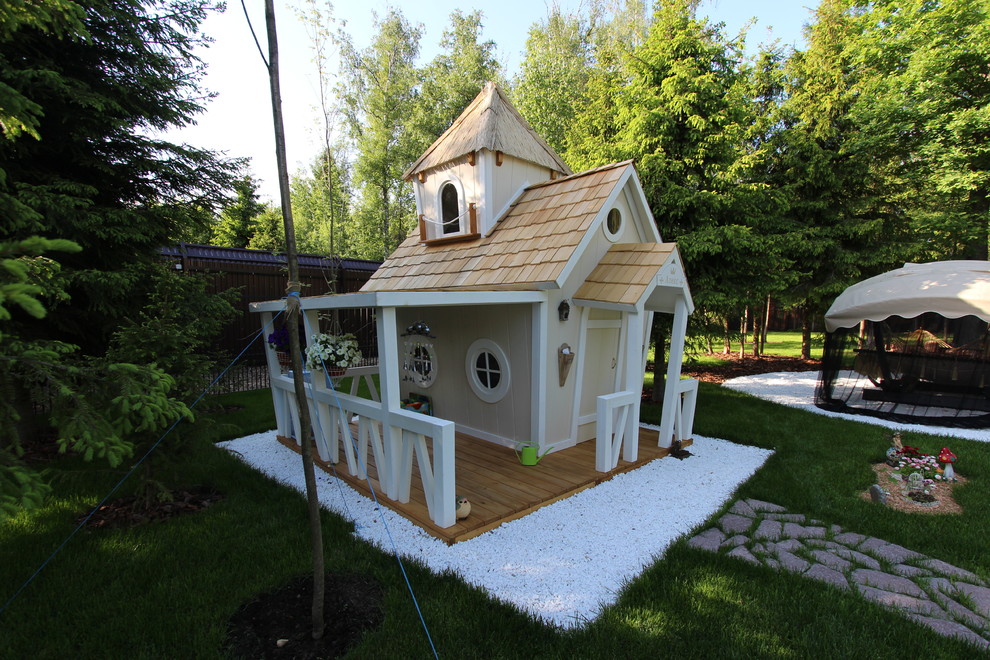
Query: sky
<point x="238" y="120"/>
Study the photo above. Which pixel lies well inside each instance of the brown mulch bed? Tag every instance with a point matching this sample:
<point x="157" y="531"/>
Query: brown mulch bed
<point x="129" y="511"/>
<point x="943" y="494"/>
<point x="278" y="624"/>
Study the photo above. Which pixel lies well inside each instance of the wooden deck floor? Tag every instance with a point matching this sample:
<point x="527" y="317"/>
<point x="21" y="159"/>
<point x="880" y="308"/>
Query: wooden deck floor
<point x="498" y="487"/>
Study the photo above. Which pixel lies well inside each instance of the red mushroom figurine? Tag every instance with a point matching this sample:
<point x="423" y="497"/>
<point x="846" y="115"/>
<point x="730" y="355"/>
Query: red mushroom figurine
<point x="948" y="458"/>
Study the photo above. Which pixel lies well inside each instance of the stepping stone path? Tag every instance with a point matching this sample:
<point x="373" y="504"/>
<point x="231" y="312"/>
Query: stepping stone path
<point x="949" y="600"/>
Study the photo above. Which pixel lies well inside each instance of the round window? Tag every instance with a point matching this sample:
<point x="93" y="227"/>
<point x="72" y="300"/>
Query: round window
<point x="613" y="223"/>
<point x="487" y="370"/>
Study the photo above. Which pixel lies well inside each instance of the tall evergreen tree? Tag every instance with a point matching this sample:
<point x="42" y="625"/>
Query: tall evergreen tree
<point x="454" y="77"/>
<point x="686" y="116"/>
<point x="320" y="202"/>
<point x="379" y="94"/>
<point x="238" y="220"/>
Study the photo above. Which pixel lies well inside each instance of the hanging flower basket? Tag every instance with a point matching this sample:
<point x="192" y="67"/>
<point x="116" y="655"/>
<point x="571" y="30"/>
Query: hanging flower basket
<point x="284" y="359"/>
<point x="334" y="353"/>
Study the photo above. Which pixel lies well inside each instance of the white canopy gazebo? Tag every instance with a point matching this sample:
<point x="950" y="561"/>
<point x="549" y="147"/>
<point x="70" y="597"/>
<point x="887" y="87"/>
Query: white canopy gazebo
<point x="917" y="341"/>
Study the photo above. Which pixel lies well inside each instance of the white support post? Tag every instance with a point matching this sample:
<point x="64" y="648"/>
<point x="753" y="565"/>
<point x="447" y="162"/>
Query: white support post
<point x="274" y="371"/>
<point x="671" y="395"/>
<point x="388" y="378"/>
<point x="633" y="359"/>
<point x="444" y="495"/>
<point x="538" y="411"/>
<point x="603" y="443"/>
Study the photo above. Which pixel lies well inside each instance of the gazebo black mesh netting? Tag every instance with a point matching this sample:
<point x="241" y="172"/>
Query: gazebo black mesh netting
<point x="925" y="370"/>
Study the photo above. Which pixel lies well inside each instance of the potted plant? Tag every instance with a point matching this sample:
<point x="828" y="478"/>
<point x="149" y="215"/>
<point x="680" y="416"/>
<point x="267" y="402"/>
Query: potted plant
<point x="335" y="353"/>
<point x="279" y="340"/>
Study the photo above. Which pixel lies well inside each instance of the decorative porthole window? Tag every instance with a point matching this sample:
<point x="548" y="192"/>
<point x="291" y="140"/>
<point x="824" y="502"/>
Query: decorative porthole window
<point x="488" y="370"/>
<point x="613" y="224"/>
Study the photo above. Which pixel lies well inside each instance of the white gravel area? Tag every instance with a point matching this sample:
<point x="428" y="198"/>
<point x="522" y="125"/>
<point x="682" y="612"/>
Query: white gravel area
<point x="797" y="389"/>
<point x="565" y="561"/>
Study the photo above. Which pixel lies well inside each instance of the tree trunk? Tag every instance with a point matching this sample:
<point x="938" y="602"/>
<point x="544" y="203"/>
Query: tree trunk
<point x="743" y="329"/>
<point x="805" y="333"/>
<point x="766" y="327"/>
<point x="728" y="338"/>
<point x="757" y="334"/>
<point x="293" y="309"/>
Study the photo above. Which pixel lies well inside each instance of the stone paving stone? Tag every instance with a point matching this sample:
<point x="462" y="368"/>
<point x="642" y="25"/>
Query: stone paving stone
<point x="850" y="539"/>
<point x="959" y="612"/>
<point x="892" y="552"/>
<point x="768" y="529"/>
<point x="857" y="557"/>
<point x="788" y="544"/>
<point x="732" y="524"/>
<point x="872" y="544"/>
<point x="734" y="541"/>
<point x="766" y="507"/>
<point x="792" y="563"/>
<point x="886" y="581"/>
<point x="742" y="509"/>
<point x="821" y="543"/>
<point x="759" y="547"/>
<point x="951" y="629"/>
<point x="944" y="568"/>
<point x="902" y="602"/>
<point x="980" y="597"/>
<point x="793" y="530"/>
<point x="828" y="575"/>
<point x="741" y="552"/>
<point x="830" y="560"/>
<point x="835" y="529"/>
<point x="710" y="540"/>
<point x="772" y="563"/>
<point x="911" y="571"/>
<point x="786" y="517"/>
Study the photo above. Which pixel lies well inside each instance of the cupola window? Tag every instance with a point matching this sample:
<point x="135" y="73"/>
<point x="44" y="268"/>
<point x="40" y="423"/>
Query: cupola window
<point x="450" y="209"/>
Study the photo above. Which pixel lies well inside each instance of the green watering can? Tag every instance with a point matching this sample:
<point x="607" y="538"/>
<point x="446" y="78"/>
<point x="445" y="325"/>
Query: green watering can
<point x="527" y="454"/>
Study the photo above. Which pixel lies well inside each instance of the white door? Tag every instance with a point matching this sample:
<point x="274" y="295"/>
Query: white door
<point x="598" y="375"/>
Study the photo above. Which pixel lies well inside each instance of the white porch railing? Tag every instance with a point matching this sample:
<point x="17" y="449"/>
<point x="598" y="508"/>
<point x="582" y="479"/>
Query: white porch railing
<point x="617" y="424"/>
<point x="684" y="407"/>
<point x="392" y="444"/>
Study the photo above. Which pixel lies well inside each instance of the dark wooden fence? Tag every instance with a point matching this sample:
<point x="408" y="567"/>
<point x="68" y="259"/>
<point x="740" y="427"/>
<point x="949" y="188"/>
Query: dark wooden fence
<point x="260" y="275"/>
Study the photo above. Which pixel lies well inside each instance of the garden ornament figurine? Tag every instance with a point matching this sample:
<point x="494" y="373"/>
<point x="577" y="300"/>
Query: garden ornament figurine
<point x="947" y="458"/>
<point x="463" y="507"/>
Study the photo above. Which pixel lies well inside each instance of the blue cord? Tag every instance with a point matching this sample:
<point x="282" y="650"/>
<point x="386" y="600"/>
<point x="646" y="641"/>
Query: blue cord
<point x="374" y="495"/>
<point x="130" y="472"/>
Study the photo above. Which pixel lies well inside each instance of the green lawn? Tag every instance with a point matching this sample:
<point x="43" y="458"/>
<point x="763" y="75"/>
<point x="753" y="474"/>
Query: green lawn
<point x="166" y="590"/>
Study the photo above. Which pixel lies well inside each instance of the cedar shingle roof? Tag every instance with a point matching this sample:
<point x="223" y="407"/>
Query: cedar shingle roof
<point x="528" y="248"/>
<point x="492" y="123"/>
<point x="625" y="272"/>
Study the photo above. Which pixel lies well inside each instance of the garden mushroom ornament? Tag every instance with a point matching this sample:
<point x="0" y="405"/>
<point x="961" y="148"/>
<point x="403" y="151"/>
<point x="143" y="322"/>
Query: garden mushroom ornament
<point x="947" y="458"/>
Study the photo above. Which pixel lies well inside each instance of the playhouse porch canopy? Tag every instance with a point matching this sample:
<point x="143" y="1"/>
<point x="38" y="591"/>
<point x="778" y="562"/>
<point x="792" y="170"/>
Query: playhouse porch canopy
<point x="951" y="288"/>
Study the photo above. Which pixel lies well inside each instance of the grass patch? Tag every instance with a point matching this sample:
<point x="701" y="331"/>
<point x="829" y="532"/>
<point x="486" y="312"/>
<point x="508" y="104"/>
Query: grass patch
<point x="167" y="589"/>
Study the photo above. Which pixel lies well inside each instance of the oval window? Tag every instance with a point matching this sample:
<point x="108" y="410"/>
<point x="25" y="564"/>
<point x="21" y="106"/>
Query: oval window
<point x="487" y="370"/>
<point x="613" y="223"/>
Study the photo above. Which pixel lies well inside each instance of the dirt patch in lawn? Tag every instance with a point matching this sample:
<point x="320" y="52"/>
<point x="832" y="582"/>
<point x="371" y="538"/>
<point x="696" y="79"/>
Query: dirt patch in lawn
<point x="896" y="500"/>
<point x="131" y="511"/>
<point x="278" y="624"/>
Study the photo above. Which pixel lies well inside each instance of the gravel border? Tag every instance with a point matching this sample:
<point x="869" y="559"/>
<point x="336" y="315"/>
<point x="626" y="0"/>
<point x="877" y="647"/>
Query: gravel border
<point x="797" y="389"/>
<point x="565" y="561"/>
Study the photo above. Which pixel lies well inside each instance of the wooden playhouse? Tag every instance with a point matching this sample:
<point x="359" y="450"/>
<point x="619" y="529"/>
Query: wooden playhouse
<point x="520" y="309"/>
